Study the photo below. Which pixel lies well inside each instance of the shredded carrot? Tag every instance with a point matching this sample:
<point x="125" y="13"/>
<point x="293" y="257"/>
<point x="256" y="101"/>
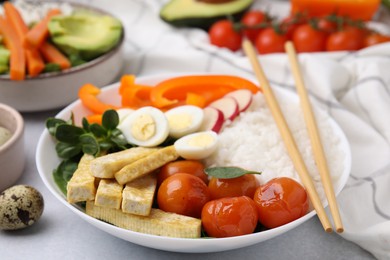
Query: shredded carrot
<point x="39" y="33"/>
<point x="51" y="54"/>
<point x="88" y="95"/>
<point x="12" y="42"/>
<point x="211" y="87"/>
<point x="35" y="64"/>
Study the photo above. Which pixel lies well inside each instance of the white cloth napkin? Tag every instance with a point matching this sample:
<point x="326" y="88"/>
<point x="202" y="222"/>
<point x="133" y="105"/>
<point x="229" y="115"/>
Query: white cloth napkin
<point x="353" y="87"/>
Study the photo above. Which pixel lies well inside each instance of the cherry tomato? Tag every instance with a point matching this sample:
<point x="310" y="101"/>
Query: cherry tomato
<point x="349" y="39"/>
<point x="222" y="34"/>
<point x="375" y="38"/>
<point x="326" y="26"/>
<point x="290" y="23"/>
<point x="244" y="185"/>
<point x="308" y="39"/>
<point x="193" y="167"/>
<point x="228" y="217"/>
<point x="252" y="18"/>
<point x="183" y="194"/>
<point x="280" y="201"/>
<point x="269" y="41"/>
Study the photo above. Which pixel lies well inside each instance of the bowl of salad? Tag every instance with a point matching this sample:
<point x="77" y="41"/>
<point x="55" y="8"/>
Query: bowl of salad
<point x="49" y="49"/>
<point x="189" y="163"/>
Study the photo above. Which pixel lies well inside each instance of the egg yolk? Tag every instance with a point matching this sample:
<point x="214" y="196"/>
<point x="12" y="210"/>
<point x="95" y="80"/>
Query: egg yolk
<point x="180" y="121"/>
<point x="144" y="127"/>
<point x="201" y="140"/>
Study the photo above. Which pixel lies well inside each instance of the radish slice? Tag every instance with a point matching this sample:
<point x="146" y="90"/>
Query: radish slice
<point x="243" y="98"/>
<point x="228" y="106"/>
<point x="213" y="119"/>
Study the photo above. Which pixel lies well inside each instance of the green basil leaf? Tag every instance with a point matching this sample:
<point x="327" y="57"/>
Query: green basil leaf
<point x="97" y="130"/>
<point x="52" y="123"/>
<point x="67" y="151"/>
<point x="69" y="133"/>
<point x="89" y="144"/>
<point x="227" y="172"/>
<point x="110" y="119"/>
<point x="85" y="124"/>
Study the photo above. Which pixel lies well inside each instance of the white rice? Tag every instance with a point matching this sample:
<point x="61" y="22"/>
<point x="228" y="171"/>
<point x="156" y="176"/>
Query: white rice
<point x="252" y="141"/>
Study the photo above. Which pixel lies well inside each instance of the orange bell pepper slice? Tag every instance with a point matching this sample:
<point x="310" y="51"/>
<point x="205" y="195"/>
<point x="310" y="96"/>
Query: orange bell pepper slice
<point x="88" y="95"/>
<point x="134" y="95"/>
<point x="171" y="91"/>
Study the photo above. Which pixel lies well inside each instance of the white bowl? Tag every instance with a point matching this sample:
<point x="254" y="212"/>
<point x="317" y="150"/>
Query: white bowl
<point x="57" y="89"/>
<point x="47" y="160"/>
<point x="12" y="153"/>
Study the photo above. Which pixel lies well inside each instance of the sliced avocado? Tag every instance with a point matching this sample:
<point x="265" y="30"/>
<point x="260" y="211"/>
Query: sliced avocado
<point x="201" y="14"/>
<point x="85" y="34"/>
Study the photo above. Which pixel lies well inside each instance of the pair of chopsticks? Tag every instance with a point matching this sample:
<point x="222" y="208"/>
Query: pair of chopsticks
<point x="289" y="140"/>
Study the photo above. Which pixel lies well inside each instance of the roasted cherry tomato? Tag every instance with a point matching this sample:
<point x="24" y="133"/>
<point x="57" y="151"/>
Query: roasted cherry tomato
<point x="253" y="18"/>
<point x="269" y="41"/>
<point x="222" y="34"/>
<point x="280" y="201"/>
<point x="308" y="39"/>
<point x="244" y="185"/>
<point x="185" y="166"/>
<point x="375" y="38"/>
<point x="348" y="39"/>
<point x="228" y="217"/>
<point x="183" y="194"/>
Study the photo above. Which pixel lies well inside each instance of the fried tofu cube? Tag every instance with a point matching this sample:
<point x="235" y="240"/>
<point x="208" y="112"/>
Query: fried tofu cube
<point x="81" y="187"/>
<point x="146" y="164"/>
<point x="109" y="194"/>
<point x="106" y="166"/>
<point x="137" y="196"/>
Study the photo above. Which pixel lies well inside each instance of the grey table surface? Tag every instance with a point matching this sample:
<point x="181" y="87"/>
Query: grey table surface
<point x="61" y="234"/>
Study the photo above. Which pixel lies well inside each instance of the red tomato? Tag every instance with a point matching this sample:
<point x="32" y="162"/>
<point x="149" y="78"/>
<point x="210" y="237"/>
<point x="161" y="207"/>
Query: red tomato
<point x="269" y="41"/>
<point x="308" y="39"/>
<point x="244" y="185"/>
<point x="349" y="39"/>
<point x="193" y="167"/>
<point x="183" y="194"/>
<point x="290" y="23"/>
<point x="252" y="18"/>
<point x="280" y="201"/>
<point x="326" y="26"/>
<point x="228" y="217"/>
<point x="375" y="38"/>
<point x="222" y="34"/>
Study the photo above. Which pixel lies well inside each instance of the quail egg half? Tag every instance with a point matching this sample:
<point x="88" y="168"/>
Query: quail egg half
<point x="20" y="207"/>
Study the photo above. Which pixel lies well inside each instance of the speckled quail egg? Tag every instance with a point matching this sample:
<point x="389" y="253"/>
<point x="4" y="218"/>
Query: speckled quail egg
<point x="184" y="120"/>
<point x="20" y="207"/>
<point x="146" y="126"/>
<point x="197" y="146"/>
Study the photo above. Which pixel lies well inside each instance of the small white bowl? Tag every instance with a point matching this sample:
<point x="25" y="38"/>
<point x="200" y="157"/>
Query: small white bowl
<point x="12" y="153"/>
<point x="58" y="89"/>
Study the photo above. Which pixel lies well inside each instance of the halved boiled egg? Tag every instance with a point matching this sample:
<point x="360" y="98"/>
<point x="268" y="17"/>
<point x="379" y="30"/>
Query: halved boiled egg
<point x="146" y="127"/>
<point x="197" y="146"/>
<point x="123" y="113"/>
<point x="184" y="120"/>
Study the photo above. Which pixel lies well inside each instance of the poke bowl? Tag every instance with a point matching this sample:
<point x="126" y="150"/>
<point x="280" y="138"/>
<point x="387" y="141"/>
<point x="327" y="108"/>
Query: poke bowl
<point x="67" y="51"/>
<point x="271" y="156"/>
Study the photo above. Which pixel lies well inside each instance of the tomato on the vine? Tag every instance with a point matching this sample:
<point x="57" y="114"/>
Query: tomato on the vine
<point x="280" y="201"/>
<point x="222" y="34"/>
<point x="290" y="23"/>
<point x="375" y="38"/>
<point x="323" y="24"/>
<point x="228" y="217"/>
<point x="193" y="167"/>
<point x="253" y="18"/>
<point x="183" y="194"/>
<point x="308" y="39"/>
<point x="270" y="41"/>
<point x="244" y="185"/>
<point x="348" y="39"/>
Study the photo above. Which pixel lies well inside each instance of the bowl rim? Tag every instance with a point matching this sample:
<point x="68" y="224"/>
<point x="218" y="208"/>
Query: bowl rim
<point x="78" y="68"/>
<point x="15" y="136"/>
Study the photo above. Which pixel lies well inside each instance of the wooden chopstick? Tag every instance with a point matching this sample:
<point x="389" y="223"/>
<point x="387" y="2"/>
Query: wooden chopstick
<point x="287" y="137"/>
<point x="315" y="139"/>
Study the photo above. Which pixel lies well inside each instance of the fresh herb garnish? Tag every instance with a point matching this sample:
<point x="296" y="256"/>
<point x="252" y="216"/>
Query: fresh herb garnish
<point x="227" y="172"/>
<point x="74" y="141"/>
